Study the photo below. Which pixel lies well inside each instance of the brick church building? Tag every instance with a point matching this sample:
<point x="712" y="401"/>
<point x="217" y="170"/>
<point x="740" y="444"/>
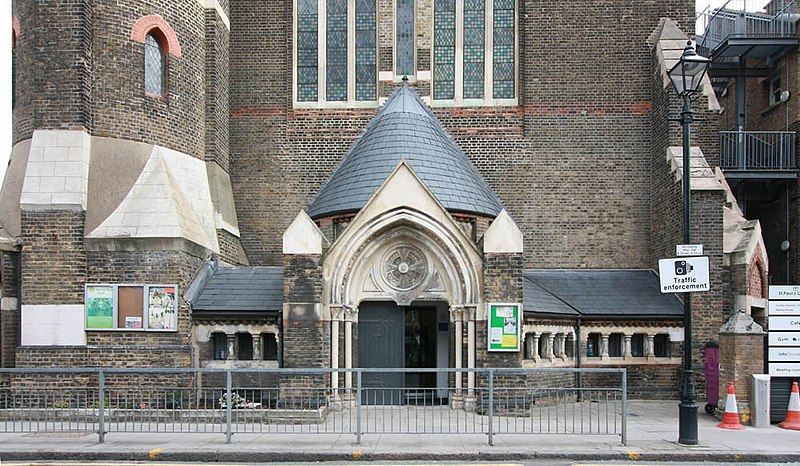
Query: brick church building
<point x="360" y="183"/>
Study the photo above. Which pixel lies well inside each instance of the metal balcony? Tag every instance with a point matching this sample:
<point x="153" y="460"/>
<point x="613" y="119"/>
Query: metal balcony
<point x="732" y="31"/>
<point x="757" y="154"/>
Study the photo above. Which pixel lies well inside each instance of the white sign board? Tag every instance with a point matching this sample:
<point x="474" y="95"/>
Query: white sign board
<point x="784" y="354"/>
<point x="689" y="250"/>
<point x="684" y="274"/>
<point x="784" y="308"/>
<point x="784" y="292"/>
<point x="784" y="338"/>
<point x="787" y="369"/>
<point x="784" y="323"/>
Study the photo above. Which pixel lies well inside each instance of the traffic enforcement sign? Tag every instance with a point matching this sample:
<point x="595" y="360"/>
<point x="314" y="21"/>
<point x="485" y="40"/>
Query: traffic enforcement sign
<point x="684" y="274"/>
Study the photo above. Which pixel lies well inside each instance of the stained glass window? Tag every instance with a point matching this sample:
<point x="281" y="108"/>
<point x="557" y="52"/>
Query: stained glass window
<point x="153" y="66"/>
<point x="503" y="34"/>
<point x="474" y="43"/>
<point x="366" y="51"/>
<point x="336" y="82"/>
<point x="307" y="60"/>
<point x="404" y="37"/>
<point x="444" y="49"/>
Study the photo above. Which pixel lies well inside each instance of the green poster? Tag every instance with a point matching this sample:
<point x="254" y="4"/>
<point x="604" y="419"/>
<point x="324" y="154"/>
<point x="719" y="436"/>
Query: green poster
<point x="99" y="307"/>
<point x="504" y="327"/>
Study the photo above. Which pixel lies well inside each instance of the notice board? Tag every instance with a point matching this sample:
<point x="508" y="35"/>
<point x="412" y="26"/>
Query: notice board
<point x="505" y="326"/>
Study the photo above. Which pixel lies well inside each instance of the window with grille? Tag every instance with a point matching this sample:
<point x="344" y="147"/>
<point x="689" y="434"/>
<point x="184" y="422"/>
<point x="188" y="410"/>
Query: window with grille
<point x="153" y="66"/>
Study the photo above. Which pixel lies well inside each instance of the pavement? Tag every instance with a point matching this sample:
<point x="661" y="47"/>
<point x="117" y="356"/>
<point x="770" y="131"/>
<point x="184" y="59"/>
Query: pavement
<point x="652" y="436"/>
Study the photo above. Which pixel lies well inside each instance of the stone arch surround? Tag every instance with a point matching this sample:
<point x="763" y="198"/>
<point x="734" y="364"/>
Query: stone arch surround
<point x="354" y="270"/>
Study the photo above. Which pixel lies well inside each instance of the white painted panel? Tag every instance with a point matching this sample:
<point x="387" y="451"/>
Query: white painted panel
<point x="53" y="324"/>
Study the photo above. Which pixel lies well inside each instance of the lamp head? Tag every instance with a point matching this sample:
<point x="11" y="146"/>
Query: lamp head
<point x="688" y="73"/>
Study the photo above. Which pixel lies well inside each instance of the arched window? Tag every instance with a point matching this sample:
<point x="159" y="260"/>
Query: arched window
<point x="154" y="65"/>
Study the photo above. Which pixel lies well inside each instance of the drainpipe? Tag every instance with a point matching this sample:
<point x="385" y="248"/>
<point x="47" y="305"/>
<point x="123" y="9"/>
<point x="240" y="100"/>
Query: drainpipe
<point x="578" y="352"/>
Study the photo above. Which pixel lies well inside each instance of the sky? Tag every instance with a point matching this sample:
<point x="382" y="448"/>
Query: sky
<point x="5" y="69"/>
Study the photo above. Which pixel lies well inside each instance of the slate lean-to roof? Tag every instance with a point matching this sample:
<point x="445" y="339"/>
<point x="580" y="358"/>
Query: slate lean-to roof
<point x="598" y="294"/>
<point x="405" y="129"/>
<point x="242" y="289"/>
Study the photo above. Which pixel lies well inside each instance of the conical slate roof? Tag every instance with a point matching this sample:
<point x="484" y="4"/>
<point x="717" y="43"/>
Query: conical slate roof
<point x="405" y="129"/>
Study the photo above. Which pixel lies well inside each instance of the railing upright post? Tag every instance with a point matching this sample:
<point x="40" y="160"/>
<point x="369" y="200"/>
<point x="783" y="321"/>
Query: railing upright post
<point x="358" y="408"/>
<point x="624" y="407"/>
<point x="491" y="408"/>
<point x="228" y="405"/>
<point x="101" y="405"/>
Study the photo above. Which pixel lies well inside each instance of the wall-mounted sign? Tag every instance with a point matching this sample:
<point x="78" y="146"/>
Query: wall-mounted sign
<point x="784" y="292"/>
<point x="784" y="323"/>
<point x="505" y="327"/>
<point x="784" y="330"/>
<point x="784" y="369"/>
<point x="784" y="354"/>
<point x="784" y="308"/>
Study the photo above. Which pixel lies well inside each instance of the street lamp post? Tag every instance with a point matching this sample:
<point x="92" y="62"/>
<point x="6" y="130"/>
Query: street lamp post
<point x="686" y="76"/>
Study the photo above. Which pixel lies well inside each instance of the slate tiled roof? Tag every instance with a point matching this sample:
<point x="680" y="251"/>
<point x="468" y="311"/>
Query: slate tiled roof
<point x="242" y="289"/>
<point x="405" y="129"/>
<point x="598" y="293"/>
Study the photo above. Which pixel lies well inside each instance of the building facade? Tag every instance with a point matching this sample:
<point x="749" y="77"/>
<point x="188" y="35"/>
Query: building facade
<point x="332" y="183"/>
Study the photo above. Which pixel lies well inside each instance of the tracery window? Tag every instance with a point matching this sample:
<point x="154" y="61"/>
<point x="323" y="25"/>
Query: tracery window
<point x="328" y="34"/>
<point x="474" y="56"/>
<point x="154" y="65"/>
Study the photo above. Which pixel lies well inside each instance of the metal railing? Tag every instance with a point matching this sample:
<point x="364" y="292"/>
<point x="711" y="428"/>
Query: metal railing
<point x="739" y="19"/>
<point x="297" y="401"/>
<point x="757" y="150"/>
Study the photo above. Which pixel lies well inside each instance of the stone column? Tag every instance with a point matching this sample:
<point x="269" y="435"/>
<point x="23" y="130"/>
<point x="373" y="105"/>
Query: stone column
<point x="536" y="356"/>
<point x="551" y="339"/>
<point x="258" y="353"/>
<point x="604" y="346"/>
<point x="627" y="352"/>
<point x="651" y="347"/>
<point x="457" y="317"/>
<point x="530" y="349"/>
<point x="336" y="315"/>
<point x="470" y="314"/>
<point x="562" y="346"/>
<point x="350" y="316"/>
<point x="231" y="337"/>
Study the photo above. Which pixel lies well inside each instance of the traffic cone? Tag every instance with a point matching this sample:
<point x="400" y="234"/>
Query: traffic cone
<point x="730" y="420"/>
<point x="792" y="420"/>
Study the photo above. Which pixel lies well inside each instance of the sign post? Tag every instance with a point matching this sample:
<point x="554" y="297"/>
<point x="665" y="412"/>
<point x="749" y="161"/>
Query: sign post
<point x="784" y="331"/>
<point x="505" y="327"/>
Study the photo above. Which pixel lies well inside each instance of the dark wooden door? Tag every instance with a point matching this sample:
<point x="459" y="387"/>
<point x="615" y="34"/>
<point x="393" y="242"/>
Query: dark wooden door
<point x="380" y="345"/>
